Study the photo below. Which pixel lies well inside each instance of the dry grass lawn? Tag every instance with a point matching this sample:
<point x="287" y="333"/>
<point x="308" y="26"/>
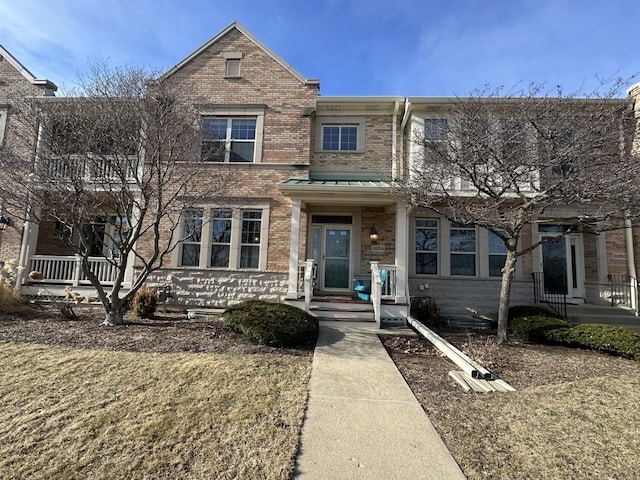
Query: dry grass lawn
<point x="574" y="416"/>
<point x="77" y="414"/>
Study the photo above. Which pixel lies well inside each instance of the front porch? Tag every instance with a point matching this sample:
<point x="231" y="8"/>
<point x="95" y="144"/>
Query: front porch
<point x="63" y="271"/>
<point x="381" y="307"/>
<point x="352" y="232"/>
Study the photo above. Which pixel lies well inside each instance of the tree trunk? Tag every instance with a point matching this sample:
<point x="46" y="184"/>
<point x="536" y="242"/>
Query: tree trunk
<point x="114" y="314"/>
<point x="505" y="291"/>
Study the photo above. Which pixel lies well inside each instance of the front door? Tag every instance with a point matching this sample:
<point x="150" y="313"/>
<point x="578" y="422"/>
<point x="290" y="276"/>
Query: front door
<point x="563" y="265"/>
<point x="336" y="258"/>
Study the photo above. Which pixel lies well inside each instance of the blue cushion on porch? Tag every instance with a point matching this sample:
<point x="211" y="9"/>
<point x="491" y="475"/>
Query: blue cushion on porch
<point x="363" y="290"/>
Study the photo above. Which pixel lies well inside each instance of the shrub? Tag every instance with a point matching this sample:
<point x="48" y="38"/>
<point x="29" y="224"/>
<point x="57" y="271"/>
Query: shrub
<point x="426" y="311"/>
<point x="10" y="301"/>
<point x="605" y="338"/>
<point x="274" y="324"/>
<point x="535" y="329"/>
<point x="531" y="311"/>
<point x="145" y="302"/>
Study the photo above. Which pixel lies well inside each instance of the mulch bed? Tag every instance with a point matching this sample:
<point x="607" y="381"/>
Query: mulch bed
<point x="164" y="333"/>
<point x="521" y="364"/>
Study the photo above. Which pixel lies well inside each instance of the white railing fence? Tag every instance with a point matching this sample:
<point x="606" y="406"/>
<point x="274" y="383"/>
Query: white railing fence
<point x="68" y="269"/>
<point x="383" y="286"/>
<point x="306" y="281"/>
<point x="98" y="169"/>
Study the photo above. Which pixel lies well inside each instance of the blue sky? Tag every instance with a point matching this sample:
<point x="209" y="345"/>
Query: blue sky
<point x="355" y="47"/>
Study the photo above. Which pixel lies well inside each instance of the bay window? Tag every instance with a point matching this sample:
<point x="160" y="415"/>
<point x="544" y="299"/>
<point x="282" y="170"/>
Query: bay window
<point x="236" y="238"/>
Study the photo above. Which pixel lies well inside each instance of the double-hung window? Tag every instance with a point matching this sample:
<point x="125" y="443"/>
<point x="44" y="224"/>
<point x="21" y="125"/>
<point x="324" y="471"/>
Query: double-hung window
<point x="497" y="255"/>
<point x="191" y="238"/>
<point x="426" y="238"/>
<point x="344" y="134"/>
<point x="221" y="238"/>
<point x="436" y="129"/>
<point x="340" y="138"/>
<point x="250" y="241"/>
<point x="462" y="247"/>
<point x="229" y="139"/>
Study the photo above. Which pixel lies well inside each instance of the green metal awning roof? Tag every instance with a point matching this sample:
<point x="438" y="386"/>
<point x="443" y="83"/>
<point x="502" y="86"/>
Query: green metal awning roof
<point x="337" y="191"/>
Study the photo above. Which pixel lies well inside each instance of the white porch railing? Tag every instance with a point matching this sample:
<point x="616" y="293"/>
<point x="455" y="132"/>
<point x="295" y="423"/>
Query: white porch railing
<point x="383" y="286"/>
<point x="96" y="170"/>
<point x="68" y="269"/>
<point x="306" y="281"/>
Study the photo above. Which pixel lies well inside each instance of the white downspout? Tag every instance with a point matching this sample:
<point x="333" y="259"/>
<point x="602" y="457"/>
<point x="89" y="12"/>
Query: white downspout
<point x="394" y="142"/>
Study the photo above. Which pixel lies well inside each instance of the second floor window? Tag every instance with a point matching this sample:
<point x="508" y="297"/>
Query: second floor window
<point x="340" y="138"/>
<point x="435" y="129"/>
<point x="228" y="139"/>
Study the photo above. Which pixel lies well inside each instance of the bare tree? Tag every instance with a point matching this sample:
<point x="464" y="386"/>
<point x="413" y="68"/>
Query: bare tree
<point x="501" y="161"/>
<point x="115" y="166"/>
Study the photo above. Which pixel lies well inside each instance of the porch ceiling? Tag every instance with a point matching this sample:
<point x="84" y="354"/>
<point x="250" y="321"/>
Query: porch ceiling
<point x="373" y="192"/>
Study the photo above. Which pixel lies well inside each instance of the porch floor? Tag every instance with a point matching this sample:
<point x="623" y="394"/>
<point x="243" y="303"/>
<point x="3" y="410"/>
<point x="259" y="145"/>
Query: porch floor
<point x="607" y="315"/>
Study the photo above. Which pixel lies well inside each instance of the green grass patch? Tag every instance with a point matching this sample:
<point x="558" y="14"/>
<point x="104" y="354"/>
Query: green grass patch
<point x="77" y="414"/>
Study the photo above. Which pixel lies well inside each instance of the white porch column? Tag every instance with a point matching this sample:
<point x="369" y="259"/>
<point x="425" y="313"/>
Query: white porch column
<point x="129" y="277"/>
<point x="27" y="248"/>
<point x="402" y="250"/>
<point x="294" y="248"/>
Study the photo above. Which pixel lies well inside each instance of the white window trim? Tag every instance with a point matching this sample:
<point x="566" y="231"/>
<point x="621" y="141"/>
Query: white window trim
<point x="3" y="122"/>
<point x="239" y="111"/>
<point x="474" y="253"/>
<point x="236" y="237"/>
<point x="444" y="252"/>
<point x="343" y="121"/>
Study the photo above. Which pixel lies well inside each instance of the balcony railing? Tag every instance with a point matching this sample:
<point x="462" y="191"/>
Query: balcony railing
<point x="99" y="169"/>
<point x="67" y="270"/>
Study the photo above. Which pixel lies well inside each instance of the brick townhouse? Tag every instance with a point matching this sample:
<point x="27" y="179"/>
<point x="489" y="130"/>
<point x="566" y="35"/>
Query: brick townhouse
<point x="314" y="194"/>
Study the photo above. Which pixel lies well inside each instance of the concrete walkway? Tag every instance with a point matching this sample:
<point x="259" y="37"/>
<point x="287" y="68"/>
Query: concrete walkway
<point x="362" y="420"/>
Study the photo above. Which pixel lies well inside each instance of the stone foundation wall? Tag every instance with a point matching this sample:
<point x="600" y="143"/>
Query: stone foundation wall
<point x="210" y="288"/>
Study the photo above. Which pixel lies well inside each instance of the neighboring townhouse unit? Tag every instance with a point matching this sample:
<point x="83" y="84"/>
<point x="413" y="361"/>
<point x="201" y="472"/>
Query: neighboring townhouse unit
<point x="313" y="194"/>
<point x="14" y="77"/>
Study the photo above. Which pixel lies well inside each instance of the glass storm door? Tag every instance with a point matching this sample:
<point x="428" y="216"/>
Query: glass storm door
<point x="554" y="265"/>
<point x="563" y="265"/>
<point x="336" y="258"/>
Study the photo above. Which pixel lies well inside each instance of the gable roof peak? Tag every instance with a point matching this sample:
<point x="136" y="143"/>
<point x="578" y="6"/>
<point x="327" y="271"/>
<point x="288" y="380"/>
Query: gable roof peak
<point x="47" y="84"/>
<point x="240" y="28"/>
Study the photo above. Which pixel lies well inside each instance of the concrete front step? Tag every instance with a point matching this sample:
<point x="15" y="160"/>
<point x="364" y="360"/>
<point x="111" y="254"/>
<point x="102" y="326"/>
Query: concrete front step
<point x="338" y="311"/>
